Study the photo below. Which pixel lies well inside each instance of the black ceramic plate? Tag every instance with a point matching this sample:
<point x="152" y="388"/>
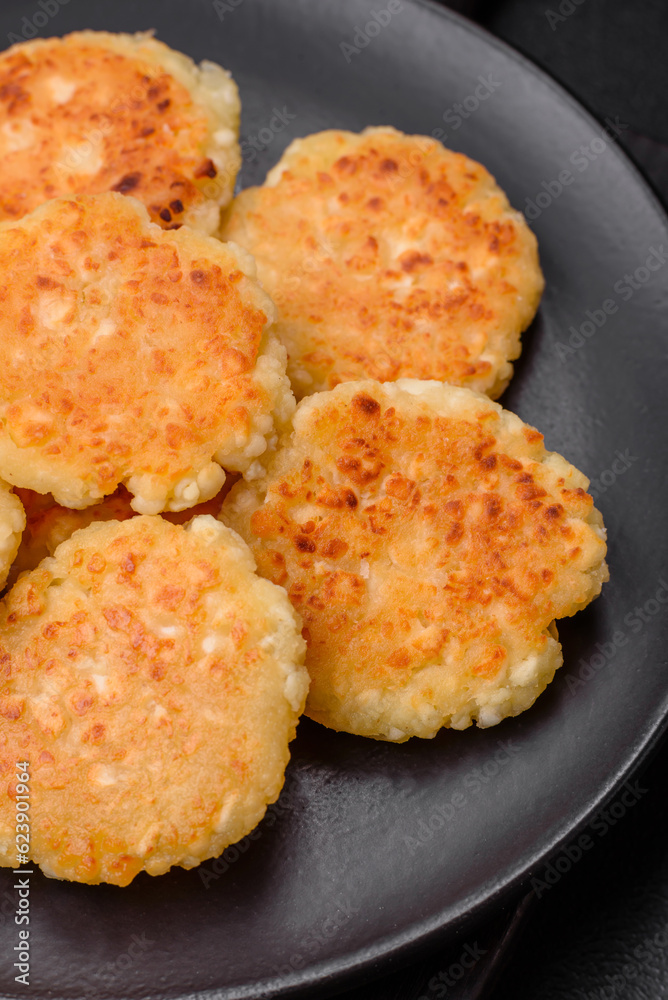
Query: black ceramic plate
<point x="374" y="848"/>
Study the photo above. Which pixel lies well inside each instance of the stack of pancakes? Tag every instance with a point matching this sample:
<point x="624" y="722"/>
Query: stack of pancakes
<point x="189" y="552"/>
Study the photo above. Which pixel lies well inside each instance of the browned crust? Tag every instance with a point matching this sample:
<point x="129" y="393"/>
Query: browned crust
<point x="412" y="535"/>
<point x="389" y="256"/>
<point x="128" y="125"/>
<point x="127" y="354"/>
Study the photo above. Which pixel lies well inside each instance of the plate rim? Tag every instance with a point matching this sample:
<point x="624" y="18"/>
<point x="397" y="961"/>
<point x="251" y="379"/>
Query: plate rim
<point x="329" y="976"/>
<point x="402" y="947"/>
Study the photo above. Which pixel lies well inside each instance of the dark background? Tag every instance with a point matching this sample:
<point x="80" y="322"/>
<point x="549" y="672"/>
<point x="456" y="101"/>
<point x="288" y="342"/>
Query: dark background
<point x="601" y="931"/>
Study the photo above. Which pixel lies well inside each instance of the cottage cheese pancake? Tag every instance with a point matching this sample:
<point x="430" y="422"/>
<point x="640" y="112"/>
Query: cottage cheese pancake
<point x="47" y="523"/>
<point x="153" y="683"/>
<point x="389" y="256"/>
<point x="131" y="355"/>
<point x="96" y="112"/>
<point x="429" y="541"/>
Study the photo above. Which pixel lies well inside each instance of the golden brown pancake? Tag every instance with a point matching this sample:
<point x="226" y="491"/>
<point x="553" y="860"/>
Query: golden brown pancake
<point x="429" y="541"/>
<point x="131" y="355"/>
<point x="95" y="112"/>
<point x="48" y="523"/>
<point x="389" y="256"/>
<point x="153" y="683"/>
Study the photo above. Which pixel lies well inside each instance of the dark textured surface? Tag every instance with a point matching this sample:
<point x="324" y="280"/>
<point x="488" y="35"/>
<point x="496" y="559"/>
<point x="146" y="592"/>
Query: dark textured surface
<point x="611" y="53"/>
<point x="339" y="873"/>
<point x="601" y="933"/>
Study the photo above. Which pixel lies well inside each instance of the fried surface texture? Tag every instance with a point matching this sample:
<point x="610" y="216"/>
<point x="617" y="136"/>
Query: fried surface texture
<point x="153" y="682"/>
<point x="95" y="112"/>
<point x="131" y="355"/>
<point x="429" y="541"/>
<point x="389" y="256"/>
<point x="48" y="523"/>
